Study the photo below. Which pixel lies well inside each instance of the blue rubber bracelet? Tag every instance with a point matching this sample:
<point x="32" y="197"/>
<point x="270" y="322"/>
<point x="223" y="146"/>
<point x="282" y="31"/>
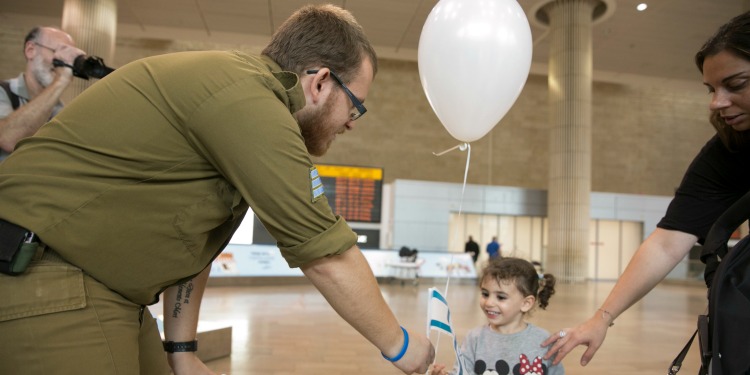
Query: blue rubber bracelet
<point x="403" y="348"/>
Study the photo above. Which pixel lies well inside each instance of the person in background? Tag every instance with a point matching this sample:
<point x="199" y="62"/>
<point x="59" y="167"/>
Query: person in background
<point x="510" y="289"/>
<point x="472" y="248"/>
<point x="137" y="185"/>
<point x="30" y="100"/>
<point x="493" y="249"/>
<point x="713" y="182"/>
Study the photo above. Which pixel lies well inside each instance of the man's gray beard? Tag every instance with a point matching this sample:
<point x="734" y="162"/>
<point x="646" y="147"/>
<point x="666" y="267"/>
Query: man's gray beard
<point x="42" y="74"/>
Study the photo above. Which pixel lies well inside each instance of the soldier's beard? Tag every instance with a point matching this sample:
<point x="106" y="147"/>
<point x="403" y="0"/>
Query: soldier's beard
<point x="317" y="128"/>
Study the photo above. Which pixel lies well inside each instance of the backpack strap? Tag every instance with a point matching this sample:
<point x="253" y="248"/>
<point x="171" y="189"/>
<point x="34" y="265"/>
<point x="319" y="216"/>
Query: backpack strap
<point x="702" y="333"/>
<point x="14" y="101"/>
<point x="677" y="363"/>
<point x="715" y="246"/>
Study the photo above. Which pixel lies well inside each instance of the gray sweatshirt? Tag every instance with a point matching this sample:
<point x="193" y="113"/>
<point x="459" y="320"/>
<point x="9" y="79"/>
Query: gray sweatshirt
<point x="486" y="352"/>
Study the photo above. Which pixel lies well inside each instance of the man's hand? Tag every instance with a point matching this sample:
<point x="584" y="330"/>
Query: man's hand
<point x="418" y="357"/>
<point x="67" y="54"/>
<point x="187" y="363"/>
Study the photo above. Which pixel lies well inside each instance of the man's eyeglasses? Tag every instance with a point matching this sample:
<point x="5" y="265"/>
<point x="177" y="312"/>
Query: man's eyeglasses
<point x="45" y="47"/>
<point x="360" y="108"/>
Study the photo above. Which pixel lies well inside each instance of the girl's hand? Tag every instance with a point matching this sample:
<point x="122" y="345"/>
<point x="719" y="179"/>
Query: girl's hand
<point x="438" y="369"/>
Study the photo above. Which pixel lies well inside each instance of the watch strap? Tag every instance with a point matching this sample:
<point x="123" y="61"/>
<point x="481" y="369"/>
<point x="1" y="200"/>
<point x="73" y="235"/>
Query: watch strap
<point x="185" y="346"/>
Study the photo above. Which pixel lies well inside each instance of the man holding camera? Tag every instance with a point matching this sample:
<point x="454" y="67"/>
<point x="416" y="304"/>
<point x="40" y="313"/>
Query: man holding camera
<point x="33" y="98"/>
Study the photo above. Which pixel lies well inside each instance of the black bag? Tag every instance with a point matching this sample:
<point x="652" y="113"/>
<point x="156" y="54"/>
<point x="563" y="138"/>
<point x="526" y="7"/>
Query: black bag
<point x="17" y="248"/>
<point x="727" y="276"/>
<point x="408" y="255"/>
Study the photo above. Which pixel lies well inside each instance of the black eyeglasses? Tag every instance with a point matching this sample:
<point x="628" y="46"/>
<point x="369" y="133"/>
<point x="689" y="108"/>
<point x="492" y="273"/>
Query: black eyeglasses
<point x="360" y="108"/>
<point x="43" y="46"/>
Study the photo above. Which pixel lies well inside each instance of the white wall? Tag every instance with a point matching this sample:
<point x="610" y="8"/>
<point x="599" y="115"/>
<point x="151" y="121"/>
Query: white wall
<point x="422" y="210"/>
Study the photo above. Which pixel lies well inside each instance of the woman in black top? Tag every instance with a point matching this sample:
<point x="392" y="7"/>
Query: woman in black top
<point x="716" y="178"/>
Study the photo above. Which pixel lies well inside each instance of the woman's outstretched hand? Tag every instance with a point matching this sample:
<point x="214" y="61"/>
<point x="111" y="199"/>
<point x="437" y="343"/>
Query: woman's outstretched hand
<point x="591" y="333"/>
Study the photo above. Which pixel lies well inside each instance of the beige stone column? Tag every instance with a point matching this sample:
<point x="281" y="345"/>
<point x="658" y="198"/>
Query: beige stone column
<point x="93" y="26"/>
<point x="570" y="83"/>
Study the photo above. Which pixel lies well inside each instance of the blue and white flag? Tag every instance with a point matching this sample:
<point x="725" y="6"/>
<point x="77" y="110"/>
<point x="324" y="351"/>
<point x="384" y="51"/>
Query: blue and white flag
<point x="439" y="319"/>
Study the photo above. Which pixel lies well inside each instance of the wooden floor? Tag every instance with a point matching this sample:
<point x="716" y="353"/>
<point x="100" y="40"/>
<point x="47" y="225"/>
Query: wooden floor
<point x="279" y="330"/>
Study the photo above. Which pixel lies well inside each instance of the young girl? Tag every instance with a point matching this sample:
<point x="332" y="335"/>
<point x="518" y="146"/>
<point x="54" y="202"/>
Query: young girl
<point x="510" y="288"/>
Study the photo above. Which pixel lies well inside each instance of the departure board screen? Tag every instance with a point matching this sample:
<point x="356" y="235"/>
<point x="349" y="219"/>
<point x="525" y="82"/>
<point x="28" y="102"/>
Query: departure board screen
<point x="353" y="192"/>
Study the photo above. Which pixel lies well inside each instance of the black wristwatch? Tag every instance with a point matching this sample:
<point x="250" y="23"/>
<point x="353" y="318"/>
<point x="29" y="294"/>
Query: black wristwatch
<point x="187" y="346"/>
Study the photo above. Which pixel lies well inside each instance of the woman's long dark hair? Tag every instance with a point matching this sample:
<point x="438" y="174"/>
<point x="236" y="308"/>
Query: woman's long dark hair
<point x="734" y="37"/>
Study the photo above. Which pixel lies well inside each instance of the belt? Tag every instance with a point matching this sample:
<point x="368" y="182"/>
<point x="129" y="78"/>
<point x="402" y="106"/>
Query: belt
<point x="40" y="250"/>
<point x="44" y="252"/>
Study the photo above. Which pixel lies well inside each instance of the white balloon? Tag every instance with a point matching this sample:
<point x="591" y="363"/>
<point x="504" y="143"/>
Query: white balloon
<point x="474" y="58"/>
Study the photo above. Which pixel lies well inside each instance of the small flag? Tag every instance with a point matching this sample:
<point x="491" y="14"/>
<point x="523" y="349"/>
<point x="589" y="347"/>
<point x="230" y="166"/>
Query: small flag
<point x="439" y="319"/>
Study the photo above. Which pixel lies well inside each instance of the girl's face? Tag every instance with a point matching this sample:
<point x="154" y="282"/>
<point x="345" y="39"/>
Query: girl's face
<point x="728" y="80"/>
<point x="504" y="305"/>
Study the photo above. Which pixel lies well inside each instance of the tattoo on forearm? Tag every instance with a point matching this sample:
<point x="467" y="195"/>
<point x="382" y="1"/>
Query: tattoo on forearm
<point x="187" y="289"/>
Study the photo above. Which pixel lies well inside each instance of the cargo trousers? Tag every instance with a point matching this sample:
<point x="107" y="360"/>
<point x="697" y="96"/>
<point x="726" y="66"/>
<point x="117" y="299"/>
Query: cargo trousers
<point x="55" y="319"/>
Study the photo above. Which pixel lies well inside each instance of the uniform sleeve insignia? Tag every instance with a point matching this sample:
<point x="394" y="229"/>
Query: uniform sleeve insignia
<point x="316" y="185"/>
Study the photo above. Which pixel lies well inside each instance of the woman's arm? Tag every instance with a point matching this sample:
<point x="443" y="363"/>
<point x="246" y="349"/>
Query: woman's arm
<point x="655" y="258"/>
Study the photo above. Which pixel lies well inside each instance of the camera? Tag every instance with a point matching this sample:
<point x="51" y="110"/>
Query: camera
<point x="86" y="67"/>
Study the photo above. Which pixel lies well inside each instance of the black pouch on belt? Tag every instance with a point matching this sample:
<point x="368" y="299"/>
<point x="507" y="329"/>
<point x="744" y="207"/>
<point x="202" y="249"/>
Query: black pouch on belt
<point x="17" y="247"/>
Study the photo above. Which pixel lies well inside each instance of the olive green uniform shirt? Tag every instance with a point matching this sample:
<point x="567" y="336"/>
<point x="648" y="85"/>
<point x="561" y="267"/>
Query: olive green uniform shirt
<point x="141" y="180"/>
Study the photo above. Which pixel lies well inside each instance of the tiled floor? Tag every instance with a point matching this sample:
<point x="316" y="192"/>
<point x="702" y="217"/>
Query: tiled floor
<point x="279" y="330"/>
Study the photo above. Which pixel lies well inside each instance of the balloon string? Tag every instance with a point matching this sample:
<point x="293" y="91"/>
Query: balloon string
<point x="447" y="282"/>
<point x="466" y="174"/>
<point x="462" y="147"/>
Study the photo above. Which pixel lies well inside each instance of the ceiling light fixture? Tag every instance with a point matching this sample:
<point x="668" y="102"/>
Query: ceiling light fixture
<point x="641" y="7"/>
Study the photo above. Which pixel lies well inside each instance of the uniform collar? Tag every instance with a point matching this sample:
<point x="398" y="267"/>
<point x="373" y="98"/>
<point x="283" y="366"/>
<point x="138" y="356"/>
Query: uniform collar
<point x="291" y="83"/>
